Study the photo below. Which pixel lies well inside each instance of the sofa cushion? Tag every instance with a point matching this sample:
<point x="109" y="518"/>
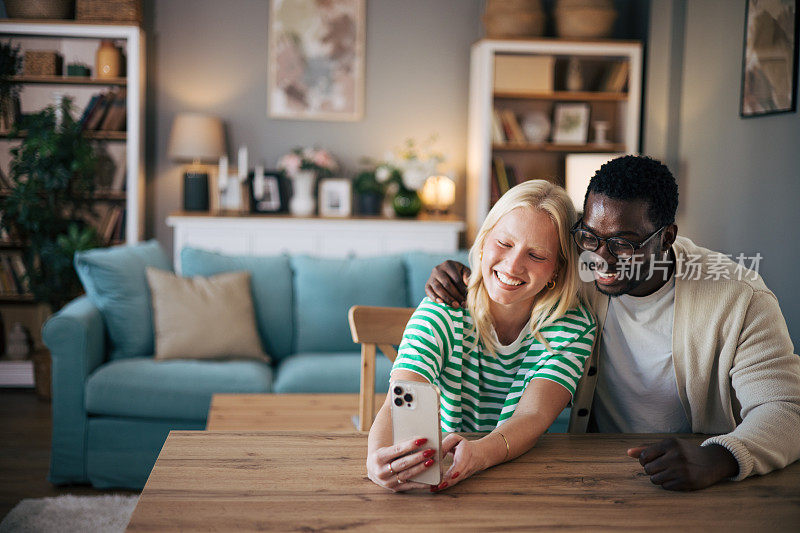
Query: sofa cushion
<point x="114" y="280"/>
<point x="271" y="284"/>
<point x="325" y="289"/>
<point x="418" y="269"/>
<point x="204" y="317"/>
<point x="328" y="372"/>
<point x="141" y="387"/>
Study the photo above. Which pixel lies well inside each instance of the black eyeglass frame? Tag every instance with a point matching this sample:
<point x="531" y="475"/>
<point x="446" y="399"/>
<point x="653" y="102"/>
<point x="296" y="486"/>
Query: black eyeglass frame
<point x="577" y="227"/>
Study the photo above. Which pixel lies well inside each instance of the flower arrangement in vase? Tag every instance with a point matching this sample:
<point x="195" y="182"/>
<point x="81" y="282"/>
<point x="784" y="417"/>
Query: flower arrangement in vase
<point x="405" y="170"/>
<point x="304" y="167"/>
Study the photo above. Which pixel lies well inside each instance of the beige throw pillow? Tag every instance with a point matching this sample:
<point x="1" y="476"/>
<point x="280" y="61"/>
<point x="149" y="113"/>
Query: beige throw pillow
<point x="204" y="318"/>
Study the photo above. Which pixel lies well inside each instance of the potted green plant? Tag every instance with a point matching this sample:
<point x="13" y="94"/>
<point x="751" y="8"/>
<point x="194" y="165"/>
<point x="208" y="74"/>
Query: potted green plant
<point x="369" y="193"/>
<point x="10" y="66"/>
<point x="50" y="201"/>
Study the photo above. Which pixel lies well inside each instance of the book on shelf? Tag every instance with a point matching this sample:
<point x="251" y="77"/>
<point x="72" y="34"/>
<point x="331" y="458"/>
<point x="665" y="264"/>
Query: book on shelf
<point x="494" y="191"/>
<point x="18" y="266"/>
<point x="118" y="183"/>
<point x="511" y="176"/>
<point x="7" y="284"/>
<point x="5" y="181"/>
<point x="109" y="223"/>
<point x="16" y="283"/>
<point x="512" y="128"/>
<point x="498" y="136"/>
<point x="500" y="172"/>
<point x="114" y="119"/>
<point x="616" y="78"/>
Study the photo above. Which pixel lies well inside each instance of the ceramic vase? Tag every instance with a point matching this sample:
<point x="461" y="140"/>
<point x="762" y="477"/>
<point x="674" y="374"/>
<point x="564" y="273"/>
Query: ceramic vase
<point x="406" y="203"/>
<point x="109" y="60"/>
<point x="302" y="203"/>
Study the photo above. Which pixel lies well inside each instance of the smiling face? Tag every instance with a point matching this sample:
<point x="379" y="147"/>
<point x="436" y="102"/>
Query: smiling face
<point x="610" y="217"/>
<point x="520" y="255"/>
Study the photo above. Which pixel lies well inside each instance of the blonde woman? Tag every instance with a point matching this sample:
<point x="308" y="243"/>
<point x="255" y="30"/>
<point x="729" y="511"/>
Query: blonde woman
<point x="509" y="363"/>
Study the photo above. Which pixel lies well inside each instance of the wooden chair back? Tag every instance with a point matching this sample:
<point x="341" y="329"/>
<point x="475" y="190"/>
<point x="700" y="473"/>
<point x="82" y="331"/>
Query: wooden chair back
<point x="375" y="328"/>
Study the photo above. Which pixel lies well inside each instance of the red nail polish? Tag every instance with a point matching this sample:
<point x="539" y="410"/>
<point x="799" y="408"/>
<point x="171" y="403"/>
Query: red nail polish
<point x="455" y="475"/>
<point x="420" y="442"/>
<point x="428" y="453"/>
<point x="442" y="486"/>
<point x="429" y="462"/>
<point x="433" y="489"/>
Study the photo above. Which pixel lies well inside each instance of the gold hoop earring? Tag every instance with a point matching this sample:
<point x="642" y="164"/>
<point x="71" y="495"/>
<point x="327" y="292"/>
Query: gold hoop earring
<point x="480" y="257"/>
<point x="551" y="284"/>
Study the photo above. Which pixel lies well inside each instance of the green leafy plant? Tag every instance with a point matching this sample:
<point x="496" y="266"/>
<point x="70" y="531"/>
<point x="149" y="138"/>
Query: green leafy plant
<point x="365" y="182"/>
<point x="50" y="201"/>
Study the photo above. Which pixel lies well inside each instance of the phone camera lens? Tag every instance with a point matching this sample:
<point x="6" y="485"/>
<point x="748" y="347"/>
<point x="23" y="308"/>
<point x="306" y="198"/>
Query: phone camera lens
<point x="408" y="398"/>
<point x="398" y="390"/>
<point x="398" y="402"/>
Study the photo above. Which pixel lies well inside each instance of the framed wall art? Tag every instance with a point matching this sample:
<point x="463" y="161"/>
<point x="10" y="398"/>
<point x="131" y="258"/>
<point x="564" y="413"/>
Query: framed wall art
<point x="316" y="59"/>
<point x="571" y="122"/>
<point x="769" y="62"/>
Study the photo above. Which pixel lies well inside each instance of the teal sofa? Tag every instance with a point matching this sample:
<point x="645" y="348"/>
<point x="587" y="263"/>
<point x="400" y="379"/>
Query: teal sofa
<point x="113" y="404"/>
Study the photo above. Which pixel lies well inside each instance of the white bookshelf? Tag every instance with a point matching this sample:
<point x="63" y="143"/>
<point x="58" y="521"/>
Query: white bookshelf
<point x="544" y="160"/>
<point x="79" y="41"/>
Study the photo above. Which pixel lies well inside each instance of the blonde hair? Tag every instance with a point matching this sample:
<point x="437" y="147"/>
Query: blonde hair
<point x="550" y="304"/>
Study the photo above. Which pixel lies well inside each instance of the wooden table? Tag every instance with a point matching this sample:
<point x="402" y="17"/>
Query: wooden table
<point x="295" y="412"/>
<point x="305" y="481"/>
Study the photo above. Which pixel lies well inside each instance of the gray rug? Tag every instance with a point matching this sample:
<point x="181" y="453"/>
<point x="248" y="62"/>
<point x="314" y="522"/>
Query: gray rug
<point x="87" y="514"/>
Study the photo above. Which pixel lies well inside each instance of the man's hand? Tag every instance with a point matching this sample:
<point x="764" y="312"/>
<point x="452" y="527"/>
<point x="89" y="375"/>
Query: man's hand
<point x="448" y="284"/>
<point x="677" y="464"/>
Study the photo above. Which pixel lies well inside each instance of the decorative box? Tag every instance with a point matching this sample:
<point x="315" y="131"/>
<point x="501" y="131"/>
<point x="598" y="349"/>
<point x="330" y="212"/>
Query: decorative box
<point x="109" y="11"/>
<point x="77" y="69"/>
<point x="42" y="63"/>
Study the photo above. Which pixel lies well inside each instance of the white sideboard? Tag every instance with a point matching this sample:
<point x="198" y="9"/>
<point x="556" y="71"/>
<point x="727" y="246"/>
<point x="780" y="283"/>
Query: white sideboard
<point x="322" y="237"/>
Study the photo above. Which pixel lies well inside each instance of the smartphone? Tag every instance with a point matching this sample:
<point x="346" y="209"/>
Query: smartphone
<point x="415" y="413"/>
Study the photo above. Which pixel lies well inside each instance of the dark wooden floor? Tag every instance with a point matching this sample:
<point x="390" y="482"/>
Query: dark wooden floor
<point x="25" y="450"/>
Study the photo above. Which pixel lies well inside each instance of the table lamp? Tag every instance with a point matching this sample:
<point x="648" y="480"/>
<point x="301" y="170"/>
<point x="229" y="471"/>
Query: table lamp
<point x="438" y="194"/>
<point x="197" y="138"/>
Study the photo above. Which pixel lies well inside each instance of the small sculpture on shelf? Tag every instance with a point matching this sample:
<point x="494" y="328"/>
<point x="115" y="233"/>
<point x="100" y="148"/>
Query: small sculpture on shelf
<point x="19" y="343"/>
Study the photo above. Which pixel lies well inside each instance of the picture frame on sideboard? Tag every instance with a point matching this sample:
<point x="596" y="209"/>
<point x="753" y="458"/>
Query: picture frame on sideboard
<point x="335" y="197"/>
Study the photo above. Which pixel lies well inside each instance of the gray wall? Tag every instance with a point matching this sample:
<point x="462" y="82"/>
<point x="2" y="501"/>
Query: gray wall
<point x="206" y="55"/>
<point x="739" y="178"/>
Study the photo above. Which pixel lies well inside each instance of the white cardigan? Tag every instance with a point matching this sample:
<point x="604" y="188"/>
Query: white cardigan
<point x="735" y="365"/>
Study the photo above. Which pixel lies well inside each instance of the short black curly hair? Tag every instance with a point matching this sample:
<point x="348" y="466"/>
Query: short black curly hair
<point x="633" y="177"/>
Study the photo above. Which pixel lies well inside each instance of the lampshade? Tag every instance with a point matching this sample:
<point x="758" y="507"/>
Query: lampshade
<point x="438" y="193"/>
<point x="196" y="137"/>
<point x="579" y="171"/>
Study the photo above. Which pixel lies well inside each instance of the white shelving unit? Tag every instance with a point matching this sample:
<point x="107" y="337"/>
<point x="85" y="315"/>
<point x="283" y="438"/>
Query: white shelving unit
<point x="544" y="160"/>
<point x="79" y="41"/>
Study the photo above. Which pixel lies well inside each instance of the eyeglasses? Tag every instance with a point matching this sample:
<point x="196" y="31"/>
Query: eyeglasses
<point x="619" y="247"/>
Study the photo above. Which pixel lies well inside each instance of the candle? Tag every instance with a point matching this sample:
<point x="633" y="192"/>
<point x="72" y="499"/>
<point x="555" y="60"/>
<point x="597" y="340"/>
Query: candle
<point x="258" y="182"/>
<point x="222" y="179"/>
<point x="242" y="161"/>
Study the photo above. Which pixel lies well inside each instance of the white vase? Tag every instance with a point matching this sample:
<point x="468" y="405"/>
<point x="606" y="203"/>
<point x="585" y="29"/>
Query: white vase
<point x="302" y="203"/>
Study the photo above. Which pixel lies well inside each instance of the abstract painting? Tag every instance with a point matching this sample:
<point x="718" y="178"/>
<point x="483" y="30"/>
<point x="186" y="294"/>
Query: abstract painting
<point x="316" y="59"/>
<point x="769" y="65"/>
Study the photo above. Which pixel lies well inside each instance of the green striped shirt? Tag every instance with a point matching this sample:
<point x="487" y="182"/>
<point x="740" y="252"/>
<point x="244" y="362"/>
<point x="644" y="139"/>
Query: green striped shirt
<point x="480" y="390"/>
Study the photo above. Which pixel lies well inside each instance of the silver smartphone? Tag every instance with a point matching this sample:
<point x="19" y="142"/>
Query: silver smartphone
<point x="415" y="413"/>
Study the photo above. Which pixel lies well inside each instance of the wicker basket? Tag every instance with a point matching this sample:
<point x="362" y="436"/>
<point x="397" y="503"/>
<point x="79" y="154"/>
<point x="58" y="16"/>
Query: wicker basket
<point x="513" y="18"/>
<point x="42" y="63"/>
<point x="39" y="9"/>
<point x="109" y="11"/>
<point x="584" y="19"/>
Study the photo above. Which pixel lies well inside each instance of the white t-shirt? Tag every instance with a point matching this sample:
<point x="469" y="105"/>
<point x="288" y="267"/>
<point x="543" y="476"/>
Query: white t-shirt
<point x="636" y="387"/>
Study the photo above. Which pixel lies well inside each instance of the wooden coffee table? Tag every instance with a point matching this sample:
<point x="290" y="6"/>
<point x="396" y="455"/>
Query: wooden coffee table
<point x="295" y="412"/>
<point x="316" y="481"/>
